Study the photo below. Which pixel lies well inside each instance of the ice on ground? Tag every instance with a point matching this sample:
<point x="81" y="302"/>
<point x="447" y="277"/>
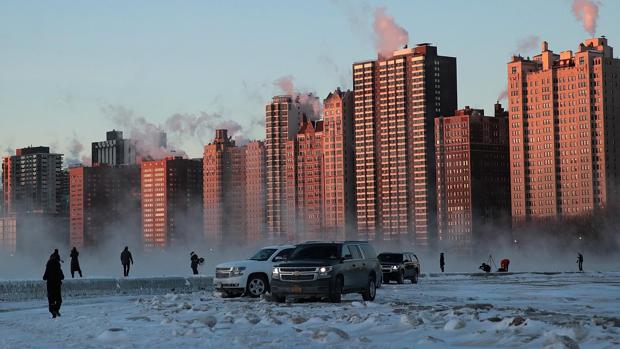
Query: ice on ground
<point x="524" y="311"/>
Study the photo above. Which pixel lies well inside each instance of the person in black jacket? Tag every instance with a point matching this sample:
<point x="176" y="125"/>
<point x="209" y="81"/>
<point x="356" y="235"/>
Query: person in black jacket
<point x="75" y="263"/>
<point x="195" y="261"/>
<point x="442" y="262"/>
<point x="580" y="261"/>
<point x="54" y="276"/>
<point x="126" y="260"/>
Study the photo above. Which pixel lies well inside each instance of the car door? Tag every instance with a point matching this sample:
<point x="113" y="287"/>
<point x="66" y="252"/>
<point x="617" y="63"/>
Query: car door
<point x="408" y="264"/>
<point x="348" y="266"/>
<point x="360" y="267"/>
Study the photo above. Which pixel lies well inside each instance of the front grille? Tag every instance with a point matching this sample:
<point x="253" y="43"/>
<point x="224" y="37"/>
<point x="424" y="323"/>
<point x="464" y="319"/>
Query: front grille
<point x="222" y="273"/>
<point x="301" y="277"/>
<point x="298" y="273"/>
<point x="298" y="269"/>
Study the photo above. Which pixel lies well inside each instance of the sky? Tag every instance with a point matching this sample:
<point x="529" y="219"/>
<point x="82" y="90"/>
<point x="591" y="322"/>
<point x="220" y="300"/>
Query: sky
<point x="70" y="71"/>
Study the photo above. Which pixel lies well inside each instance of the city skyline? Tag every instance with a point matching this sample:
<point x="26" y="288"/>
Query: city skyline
<point x="104" y="76"/>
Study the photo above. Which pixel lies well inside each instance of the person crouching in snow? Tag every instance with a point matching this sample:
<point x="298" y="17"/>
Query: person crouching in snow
<point x="54" y="276"/>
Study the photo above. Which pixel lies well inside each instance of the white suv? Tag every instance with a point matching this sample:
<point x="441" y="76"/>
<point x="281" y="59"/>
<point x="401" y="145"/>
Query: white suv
<point x="251" y="276"/>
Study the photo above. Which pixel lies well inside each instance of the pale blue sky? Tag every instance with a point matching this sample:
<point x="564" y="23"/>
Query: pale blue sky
<point x="63" y="62"/>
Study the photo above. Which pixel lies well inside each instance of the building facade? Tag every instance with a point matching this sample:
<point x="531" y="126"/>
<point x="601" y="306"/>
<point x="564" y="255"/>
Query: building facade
<point x="171" y="191"/>
<point x="255" y="191"/>
<point x="282" y="119"/>
<point x="114" y="151"/>
<point x="304" y="182"/>
<point x="224" y="181"/>
<point x="104" y="206"/>
<point x="396" y="101"/>
<point x="564" y="131"/>
<point x="339" y="219"/>
<point x="473" y="180"/>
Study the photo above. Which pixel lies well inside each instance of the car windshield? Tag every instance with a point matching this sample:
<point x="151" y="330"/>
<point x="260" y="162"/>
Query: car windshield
<point x="263" y="254"/>
<point x="316" y="251"/>
<point x="390" y="257"/>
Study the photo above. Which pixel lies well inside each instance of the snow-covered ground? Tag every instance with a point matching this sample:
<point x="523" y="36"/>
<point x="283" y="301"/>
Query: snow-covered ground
<point x="566" y="310"/>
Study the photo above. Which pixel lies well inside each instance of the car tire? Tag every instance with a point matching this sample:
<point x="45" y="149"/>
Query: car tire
<point x="335" y="295"/>
<point x="414" y="279"/>
<point x="371" y="291"/>
<point x="401" y="277"/>
<point x="257" y="286"/>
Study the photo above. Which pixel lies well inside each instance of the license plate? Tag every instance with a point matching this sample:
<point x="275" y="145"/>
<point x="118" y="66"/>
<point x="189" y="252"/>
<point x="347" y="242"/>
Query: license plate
<point x="296" y="289"/>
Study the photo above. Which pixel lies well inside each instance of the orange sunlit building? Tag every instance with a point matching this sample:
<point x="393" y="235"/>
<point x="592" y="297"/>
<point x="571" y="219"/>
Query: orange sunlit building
<point x="564" y="131"/>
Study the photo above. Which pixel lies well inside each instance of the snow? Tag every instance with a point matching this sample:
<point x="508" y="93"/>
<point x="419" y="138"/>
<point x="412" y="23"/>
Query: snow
<point x="559" y="310"/>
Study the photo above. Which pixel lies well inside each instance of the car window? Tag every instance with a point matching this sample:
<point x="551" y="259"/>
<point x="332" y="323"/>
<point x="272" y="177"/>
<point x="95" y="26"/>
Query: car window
<point x="315" y="251"/>
<point x="416" y="258"/>
<point x="355" y="252"/>
<point x="390" y="257"/>
<point x="346" y="253"/>
<point x="284" y="254"/>
<point x="369" y="251"/>
<point x="406" y="258"/>
<point x="263" y="254"/>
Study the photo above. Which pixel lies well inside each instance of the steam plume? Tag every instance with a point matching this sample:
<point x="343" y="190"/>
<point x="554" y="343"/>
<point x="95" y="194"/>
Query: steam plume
<point x="502" y="95"/>
<point x="586" y="11"/>
<point x="389" y="36"/>
<point x="202" y="125"/>
<point x="528" y="43"/>
<point x="73" y="151"/>
<point x="310" y="104"/>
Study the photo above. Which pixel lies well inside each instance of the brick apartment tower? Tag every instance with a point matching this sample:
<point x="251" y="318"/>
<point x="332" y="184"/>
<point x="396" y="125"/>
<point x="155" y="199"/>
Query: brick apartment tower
<point x="473" y="179"/>
<point x="171" y="202"/>
<point x="104" y="206"/>
<point x="339" y="219"/>
<point x="35" y="202"/>
<point x="224" y="203"/>
<point x="564" y="131"/>
<point x="396" y="101"/>
<point x="282" y="120"/>
<point x="304" y="184"/>
<point x="255" y="191"/>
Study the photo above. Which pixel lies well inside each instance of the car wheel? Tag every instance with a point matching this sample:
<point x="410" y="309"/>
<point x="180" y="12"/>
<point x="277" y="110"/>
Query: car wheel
<point x="336" y="295"/>
<point x="414" y="279"/>
<point x="401" y="277"/>
<point x="371" y="291"/>
<point x="257" y="286"/>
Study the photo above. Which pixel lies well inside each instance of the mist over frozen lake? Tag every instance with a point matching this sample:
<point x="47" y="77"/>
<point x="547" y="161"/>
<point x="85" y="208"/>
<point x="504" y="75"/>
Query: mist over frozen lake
<point x="527" y="310"/>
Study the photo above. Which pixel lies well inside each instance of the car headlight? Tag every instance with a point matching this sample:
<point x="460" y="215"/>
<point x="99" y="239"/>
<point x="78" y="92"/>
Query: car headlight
<point x="237" y="271"/>
<point x="325" y="271"/>
<point x="275" y="274"/>
<point x="394" y="267"/>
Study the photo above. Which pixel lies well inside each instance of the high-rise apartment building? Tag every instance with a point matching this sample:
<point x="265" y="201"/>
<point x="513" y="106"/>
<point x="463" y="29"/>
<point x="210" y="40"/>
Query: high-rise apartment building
<point x="171" y="202"/>
<point x="32" y="181"/>
<point x="115" y="150"/>
<point x="564" y="131"/>
<point x="224" y="205"/>
<point x="339" y="220"/>
<point x="35" y="198"/>
<point x="104" y="206"/>
<point x="282" y="119"/>
<point x="396" y="101"/>
<point x="304" y="182"/>
<point x="255" y="191"/>
<point x="473" y="179"/>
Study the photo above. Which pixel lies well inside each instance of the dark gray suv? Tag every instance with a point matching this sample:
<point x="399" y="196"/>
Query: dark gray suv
<point x="327" y="270"/>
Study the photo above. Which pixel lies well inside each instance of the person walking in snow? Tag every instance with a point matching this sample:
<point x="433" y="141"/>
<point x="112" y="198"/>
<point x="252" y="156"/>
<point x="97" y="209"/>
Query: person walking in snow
<point x="580" y="261"/>
<point x="442" y="262"/>
<point x="75" y="263"/>
<point x="54" y="276"/>
<point x="126" y="260"/>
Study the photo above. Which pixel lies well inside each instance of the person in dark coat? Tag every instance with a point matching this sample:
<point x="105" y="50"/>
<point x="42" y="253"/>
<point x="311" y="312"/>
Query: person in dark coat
<point x="56" y="256"/>
<point x="126" y="259"/>
<point x="75" y="263"/>
<point x="442" y="262"/>
<point x="580" y="261"/>
<point x="54" y="276"/>
<point x="194" y="262"/>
